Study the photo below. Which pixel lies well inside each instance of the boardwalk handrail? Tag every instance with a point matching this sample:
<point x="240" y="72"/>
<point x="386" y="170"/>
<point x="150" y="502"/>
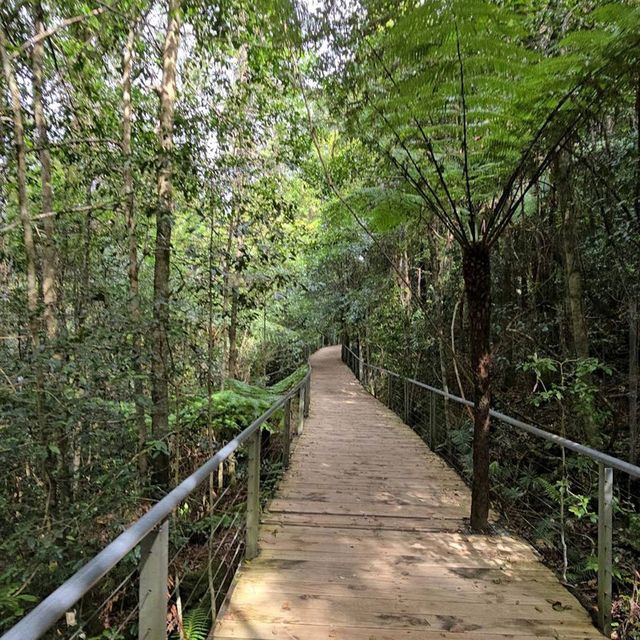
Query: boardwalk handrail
<point x="606" y="465"/>
<point x="152" y="531"/>
<point x="598" y="456"/>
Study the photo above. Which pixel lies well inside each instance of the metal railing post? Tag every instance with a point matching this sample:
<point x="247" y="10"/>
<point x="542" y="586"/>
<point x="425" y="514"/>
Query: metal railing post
<point x="253" y="494"/>
<point x="605" y="544"/>
<point x="406" y="401"/>
<point x="152" y="591"/>
<point x="307" y="398"/>
<point x="432" y="420"/>
<point x="287" y="433"/>
<point x="301" y="403"/>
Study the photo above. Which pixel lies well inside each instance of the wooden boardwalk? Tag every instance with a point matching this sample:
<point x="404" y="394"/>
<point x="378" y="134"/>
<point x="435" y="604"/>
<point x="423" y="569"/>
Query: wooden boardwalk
<point x="367" y="540"/>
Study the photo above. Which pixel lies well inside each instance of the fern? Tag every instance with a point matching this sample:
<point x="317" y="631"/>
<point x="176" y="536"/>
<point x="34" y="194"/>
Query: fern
<point x="196" y="625"/>
<point x="550" y="490"/>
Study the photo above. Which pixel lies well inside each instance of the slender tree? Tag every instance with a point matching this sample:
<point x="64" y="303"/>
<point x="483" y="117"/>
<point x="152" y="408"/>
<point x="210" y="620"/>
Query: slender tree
<point x="49" y="253"/>
<point x="132" y="242"/>
<point x="160" y="370"/>
<point x="33" y="297"/>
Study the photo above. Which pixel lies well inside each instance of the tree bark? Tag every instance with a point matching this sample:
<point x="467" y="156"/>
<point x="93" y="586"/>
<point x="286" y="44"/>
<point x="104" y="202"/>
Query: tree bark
<point x="164" y="214"/>
<point x="233" y="331"/>
<point x="476" y="268"/>
<point x="573" y="276"/>
<point x="636" y="200"/>
<point x="633" y="380"/>
<point x="442" y="268"/>
<point x="33" y="297"/>
<point x="23" y="203"/>
<point x="634" y="327"/>
<point x="49" y="253"/>
<point x="210" y="434"/>
<point x="227" y="292"/>
<point x="132" y="241"/>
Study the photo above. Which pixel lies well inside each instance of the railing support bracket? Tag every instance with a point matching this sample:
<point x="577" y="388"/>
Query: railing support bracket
<point x="605" y="544"/>
<point x="154" y="576"/>
<point x="301" y="404"/>
<point x="253" y="494"/>
<point x="287" y="433"/>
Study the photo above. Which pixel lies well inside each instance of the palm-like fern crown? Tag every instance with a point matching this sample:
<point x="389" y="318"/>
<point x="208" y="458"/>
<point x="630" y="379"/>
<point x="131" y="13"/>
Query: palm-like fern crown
<point x="454" y="95"/>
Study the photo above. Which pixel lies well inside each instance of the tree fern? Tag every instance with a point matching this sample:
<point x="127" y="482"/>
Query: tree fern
<point x="196" y="624"/>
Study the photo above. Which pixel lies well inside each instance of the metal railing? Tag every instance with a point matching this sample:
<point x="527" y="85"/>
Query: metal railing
<point x="151" y="531"/>
<point x="418" y="403"/>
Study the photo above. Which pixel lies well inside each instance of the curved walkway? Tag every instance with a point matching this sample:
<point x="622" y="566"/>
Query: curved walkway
<point x="367" y="540"/>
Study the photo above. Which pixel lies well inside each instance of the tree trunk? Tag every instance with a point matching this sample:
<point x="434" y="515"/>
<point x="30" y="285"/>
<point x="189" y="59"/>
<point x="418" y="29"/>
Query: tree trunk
<point x="23" y="203"/>
<point x="226" y="298"/>
<point x="132" y="241"/>
<point x="476" y="268"/>
<point x="210" y="434"/>
<point x="634" y="327"/>
<point x="161" y="292"/>
<point x="49" y="253"/>
<point x="442" y="269"/>
<point x="84" y="277"/>
<point x="633" y="380"/>
<point x="636" y="200"/>
<point x="31" y="262"/>
<point x="232" y="370"/>
<point x="573" y="276"/>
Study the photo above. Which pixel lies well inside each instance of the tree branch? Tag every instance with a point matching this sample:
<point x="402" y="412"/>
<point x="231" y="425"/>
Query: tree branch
<point x="465" y="151"/>
<point x="27" y="44"/>
<point x="427" y="141"/>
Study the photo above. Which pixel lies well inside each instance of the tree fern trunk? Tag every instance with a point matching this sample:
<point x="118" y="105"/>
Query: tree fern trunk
<point x="477" y="280"/>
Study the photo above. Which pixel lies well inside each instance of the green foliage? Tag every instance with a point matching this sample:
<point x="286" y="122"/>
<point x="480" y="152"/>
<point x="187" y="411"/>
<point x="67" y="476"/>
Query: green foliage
<point x="290" y="381"/>
<point x="196" y="624"/>
<point x="569" y="383"/>
<point x="12" y="603"/>
<point x="236" y="407"/>
<point x="109" y="634"/>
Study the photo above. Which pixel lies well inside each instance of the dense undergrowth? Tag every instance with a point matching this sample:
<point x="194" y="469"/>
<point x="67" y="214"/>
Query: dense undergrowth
<point x="207" y="531"/>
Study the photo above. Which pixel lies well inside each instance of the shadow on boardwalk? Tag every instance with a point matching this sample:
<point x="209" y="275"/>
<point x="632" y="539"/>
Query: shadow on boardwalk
<point x="367" y="540"/>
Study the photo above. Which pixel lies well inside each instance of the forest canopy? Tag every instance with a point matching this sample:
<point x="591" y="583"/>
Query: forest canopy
<point x="194" y="196"/>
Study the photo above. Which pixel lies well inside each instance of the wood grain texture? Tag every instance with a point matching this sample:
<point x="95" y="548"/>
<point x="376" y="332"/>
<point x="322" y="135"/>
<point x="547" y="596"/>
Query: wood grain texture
<point x="368" y="539"/>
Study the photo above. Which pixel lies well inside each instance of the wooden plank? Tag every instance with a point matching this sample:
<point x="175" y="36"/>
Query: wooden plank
<point x="394" y="554"/>
<point x="315" y="605"/>
<point x="427" y="546"/>
<point x="367" y="522"/>
<point x="370" y="508"/>
<point x="469" y="570"/>
<point x="232" y="630"/>
<point x="356" y="616"/>
<point x="486" y="593"/>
